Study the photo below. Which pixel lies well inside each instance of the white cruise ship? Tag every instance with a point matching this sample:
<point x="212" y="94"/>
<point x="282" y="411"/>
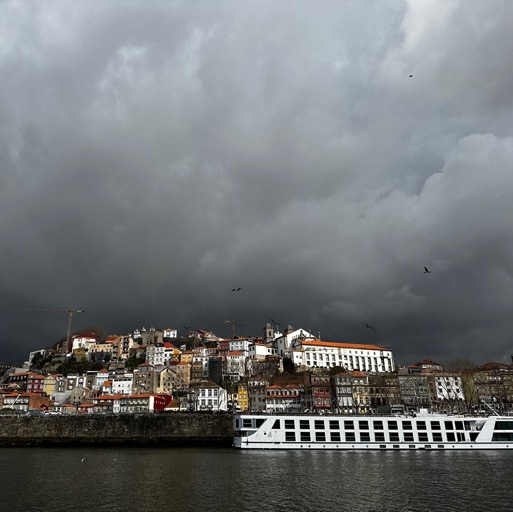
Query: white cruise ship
<point x="422" y="431"/>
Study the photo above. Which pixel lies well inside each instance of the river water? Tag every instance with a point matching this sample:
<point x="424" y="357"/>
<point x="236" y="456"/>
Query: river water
<point x="223" y="479"/>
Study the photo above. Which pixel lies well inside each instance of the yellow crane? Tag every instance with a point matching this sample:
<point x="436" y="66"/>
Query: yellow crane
<point x="236" y="322"/>
<point x="70" y="312"/>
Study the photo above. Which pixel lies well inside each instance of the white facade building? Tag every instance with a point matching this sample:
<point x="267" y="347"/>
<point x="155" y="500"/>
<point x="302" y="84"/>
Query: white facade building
<point x="210" y="397"/>
<point x="351" y="356"/>
<point x="283" y="342"/>
<point x="122" y="384"/>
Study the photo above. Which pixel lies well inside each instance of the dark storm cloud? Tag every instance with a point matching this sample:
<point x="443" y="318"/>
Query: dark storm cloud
<point x="155" y="156"/>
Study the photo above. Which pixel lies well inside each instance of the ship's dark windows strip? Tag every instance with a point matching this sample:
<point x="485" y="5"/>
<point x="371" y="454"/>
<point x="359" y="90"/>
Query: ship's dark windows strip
<point x="459" y="425"/>
<point x="502" y="436"/>
<point x="437" y="437"/>
<point x="305" y="436"/>
<point x="380" y="436"/>
<point x="364" y="425"/>
<point x="435" y="425"/>
<point x="504" y="425"/>
<point x="246" y="423"/>
<point x="394" y="436"/>
<point x="392" y="425"/>
<point x="290" y="436"/>
<point x="350" y="436"/>
<point x="451" y="437"/>
<point x="448" y="425"/>
<point x="335" y="436"/>
<point x="320" y="436"/>
<point x="289" y="424"/>
<point x="348" y="425"/>
<point x="407" y="425"/>
<point x="378" y="425"/>
<point x="364" y="436"/>
<point x="334" y="425"/>
<point x="421" y="425"/>
<point x="319" y="424"/>
<point x="423" y="437"/>
<point x="408" y="437"/>
<point x="276" y="424"/>
<point x="304" y="424"/>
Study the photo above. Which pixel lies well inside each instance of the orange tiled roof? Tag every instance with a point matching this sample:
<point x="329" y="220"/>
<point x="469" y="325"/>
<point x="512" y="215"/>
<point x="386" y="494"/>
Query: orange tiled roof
<point x="336" y="344"/>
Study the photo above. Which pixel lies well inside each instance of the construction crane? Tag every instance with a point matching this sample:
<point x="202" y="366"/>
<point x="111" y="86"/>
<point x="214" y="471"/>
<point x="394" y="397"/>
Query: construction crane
<point x="70" y="312"/>
<point x="235" y="322"/>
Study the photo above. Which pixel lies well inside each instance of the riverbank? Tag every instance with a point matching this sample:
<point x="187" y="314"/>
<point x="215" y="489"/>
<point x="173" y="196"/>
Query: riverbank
<point x="166" y="429"/>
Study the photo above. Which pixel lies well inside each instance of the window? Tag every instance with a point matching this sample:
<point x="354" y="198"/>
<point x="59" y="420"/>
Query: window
<point x="437" y="437"/>
<point x="407" y="425"/>
<point x="348" y="425"/>
<point x="334" y="425"/>
<point x="289" y="424"/>
<point x="392" y="425"/>
<point x="305" y="436"/>
<point x="364" y="425"/>
<point x="364" y="436"/>
<point x="408" y="437"/>
<point x="276" y="424"/>
<point x="448" y="425"/>
<point x="335" y="436"/>
<point x="459" y="425"/>
<point x="421" y="425"/>
<point x="504" y="425"/>
<point x="304" y="424"/>
<point x="435" y="425"/>
<point x="378" y="425"/>
<point x="290" y="436"/>
<point x="379" y="436"/>
<point x="423" y="437"/>
<point x="319" y="424"/>
<point x="320" y="436"/>
<point x="246" y="423"/>
<point x="350" y="436"/>
<point x="451" y="437"/>
<point x="394" y="436"/>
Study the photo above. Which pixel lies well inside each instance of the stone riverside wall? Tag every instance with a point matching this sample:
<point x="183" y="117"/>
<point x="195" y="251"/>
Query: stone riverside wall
<point x="172" y="429"/>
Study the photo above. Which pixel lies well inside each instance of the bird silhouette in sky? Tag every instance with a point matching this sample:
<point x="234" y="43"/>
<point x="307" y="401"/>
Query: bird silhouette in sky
<point x="186" y="326"/>
<point x="369" y="327"/>
<point x="427" y="271"/>
<point x="236" y="289"/>
<point x="411" y="76"/>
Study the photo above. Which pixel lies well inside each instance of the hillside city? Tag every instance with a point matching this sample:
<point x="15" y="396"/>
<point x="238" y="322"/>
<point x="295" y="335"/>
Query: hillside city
<point x="155" y="370"/>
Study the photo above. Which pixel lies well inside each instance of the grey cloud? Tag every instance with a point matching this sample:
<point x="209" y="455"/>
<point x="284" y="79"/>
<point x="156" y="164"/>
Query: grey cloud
<point x="153" y="157"/>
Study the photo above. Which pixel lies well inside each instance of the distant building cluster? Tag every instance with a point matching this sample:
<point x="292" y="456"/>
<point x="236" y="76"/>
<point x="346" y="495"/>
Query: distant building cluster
<point x="153" y="370"/>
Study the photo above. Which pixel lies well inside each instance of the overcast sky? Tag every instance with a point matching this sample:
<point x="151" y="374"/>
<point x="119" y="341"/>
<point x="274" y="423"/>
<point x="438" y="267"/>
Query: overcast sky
<point x="155" y="155"/>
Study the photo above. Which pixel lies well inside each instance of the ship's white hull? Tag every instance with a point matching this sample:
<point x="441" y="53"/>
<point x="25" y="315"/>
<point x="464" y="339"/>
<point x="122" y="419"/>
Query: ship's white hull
<point x="416" y="432"/>
<point x="249" y="445"/>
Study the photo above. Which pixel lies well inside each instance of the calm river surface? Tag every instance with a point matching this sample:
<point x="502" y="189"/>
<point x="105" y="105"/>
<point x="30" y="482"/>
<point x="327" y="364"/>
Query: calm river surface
<point x="209" y="479"/>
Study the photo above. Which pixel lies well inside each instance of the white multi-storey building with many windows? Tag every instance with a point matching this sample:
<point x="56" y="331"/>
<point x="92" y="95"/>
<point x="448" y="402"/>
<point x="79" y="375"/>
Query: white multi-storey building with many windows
<point x="312" y="353"/>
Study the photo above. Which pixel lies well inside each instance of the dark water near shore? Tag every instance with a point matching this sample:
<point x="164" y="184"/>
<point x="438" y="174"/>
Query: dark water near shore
<point x="204" y="479"/>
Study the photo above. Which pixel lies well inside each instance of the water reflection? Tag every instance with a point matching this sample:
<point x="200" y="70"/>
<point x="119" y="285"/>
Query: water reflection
<point x="188" y="479"/>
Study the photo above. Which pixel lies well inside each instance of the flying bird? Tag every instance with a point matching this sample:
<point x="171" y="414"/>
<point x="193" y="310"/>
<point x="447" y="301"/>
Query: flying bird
<point x="427" y="271"/>
<point x="369" y="327"/>
<point x="236" y="289"/>
<point x="411" y="76"/>
<point x="186" y="326"/>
